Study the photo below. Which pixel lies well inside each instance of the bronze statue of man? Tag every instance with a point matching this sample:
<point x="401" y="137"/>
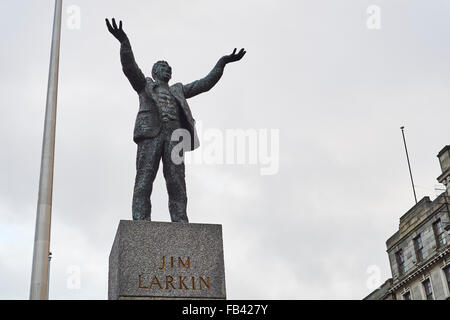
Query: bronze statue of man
<point x="162" y="109"/>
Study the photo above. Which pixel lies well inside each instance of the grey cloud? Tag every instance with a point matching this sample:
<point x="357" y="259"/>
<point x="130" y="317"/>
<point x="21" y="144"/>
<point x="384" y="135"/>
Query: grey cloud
<point x="337" y="91"/>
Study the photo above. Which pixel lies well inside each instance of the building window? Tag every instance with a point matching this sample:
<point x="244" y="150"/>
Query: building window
<point x="407" y="295"/>
<point x="439" y="234"/>
<point x="400" y="262"/>
<point x="418" y="247"/>
<point x="428" y="290"/>
<point x="447" y="275"/>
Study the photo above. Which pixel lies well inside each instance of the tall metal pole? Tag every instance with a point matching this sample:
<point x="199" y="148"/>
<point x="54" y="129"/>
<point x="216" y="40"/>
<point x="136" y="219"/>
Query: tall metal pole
<point x="409" y="165"/>
<point x="41" y="252"/>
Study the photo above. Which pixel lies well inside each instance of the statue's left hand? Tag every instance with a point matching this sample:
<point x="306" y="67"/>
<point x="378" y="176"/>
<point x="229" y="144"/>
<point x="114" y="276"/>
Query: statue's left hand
<point x="235" y="56"/>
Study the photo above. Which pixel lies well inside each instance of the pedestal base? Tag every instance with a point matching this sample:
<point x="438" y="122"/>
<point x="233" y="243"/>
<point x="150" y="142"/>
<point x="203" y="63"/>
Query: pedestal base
<point x="161" y="260"/>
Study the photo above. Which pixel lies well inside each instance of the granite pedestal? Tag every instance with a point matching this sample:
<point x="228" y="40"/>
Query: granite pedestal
<point x="161" y="260"/>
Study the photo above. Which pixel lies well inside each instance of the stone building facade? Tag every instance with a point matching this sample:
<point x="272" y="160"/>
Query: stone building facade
<point x="419" y="251"/>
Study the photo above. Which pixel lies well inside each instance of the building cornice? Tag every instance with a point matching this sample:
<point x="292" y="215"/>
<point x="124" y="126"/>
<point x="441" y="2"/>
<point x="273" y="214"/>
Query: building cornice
<point x="431" y="261"/>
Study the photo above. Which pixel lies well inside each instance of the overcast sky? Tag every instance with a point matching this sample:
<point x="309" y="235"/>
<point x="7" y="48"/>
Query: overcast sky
<point x="337" y="91"/>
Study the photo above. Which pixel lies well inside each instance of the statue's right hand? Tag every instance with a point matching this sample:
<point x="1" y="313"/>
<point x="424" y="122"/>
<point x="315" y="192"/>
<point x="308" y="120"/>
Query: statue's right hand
<point x="117" y="32"/>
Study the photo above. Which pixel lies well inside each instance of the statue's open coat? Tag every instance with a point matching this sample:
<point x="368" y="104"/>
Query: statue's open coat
<point x="148" y="120"/>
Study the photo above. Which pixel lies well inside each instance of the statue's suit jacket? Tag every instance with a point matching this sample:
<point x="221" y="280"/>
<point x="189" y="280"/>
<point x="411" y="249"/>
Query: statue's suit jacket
<point x="148" y="120"/>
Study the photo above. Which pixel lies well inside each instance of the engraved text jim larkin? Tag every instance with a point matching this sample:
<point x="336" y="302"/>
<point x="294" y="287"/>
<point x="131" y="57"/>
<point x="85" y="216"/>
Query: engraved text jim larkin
<point x="174" y="282"/>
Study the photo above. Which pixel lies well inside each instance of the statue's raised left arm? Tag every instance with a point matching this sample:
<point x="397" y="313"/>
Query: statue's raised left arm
<point x="205" y="84"/>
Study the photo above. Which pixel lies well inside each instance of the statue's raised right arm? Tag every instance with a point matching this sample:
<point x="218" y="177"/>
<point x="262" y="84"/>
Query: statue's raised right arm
<point x="129" y="65"/>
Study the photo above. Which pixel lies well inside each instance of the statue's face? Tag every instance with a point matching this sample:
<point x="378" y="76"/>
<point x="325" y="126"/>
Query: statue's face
<point x="163" y="71"/>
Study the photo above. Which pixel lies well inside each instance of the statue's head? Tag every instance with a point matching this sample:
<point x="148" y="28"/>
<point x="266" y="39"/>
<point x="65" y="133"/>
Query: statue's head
<point x="162" y="71"/>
